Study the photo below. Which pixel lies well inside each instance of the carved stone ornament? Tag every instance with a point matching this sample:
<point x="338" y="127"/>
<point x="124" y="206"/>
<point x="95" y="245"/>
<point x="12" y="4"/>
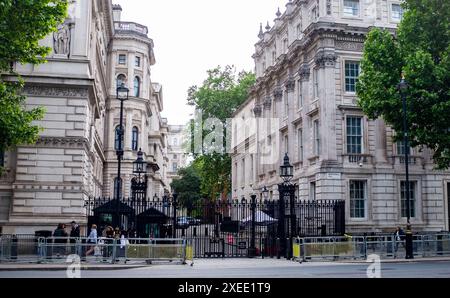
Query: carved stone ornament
<point x="61" y="40"/>
<point x="326" y="59"/>
<point x="62" y="141"/>
<point x="304" y="72"/>
<point x="290" y="85"/>
<point x="278" y="94"/>
<point x="55" y="92"/>
<point x="268" y="103"/>
<point x="257" y="110"/>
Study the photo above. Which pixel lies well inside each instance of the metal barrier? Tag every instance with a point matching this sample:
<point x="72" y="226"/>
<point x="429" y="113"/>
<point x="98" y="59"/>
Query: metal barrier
<point x="104" y="250"/>
<point x="359" y="247"/>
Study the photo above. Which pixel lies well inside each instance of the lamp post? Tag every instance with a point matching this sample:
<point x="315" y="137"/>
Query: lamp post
<point x="174" y="206"/>
<point x="122" y="95"/>
<point x="286" y="188"/>
<point x="140" y="184"/>
<point x="402" y="88"/>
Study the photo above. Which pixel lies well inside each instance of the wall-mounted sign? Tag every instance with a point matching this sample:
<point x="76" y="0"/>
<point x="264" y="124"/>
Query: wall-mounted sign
<point x="336" y="176"/>
<point x="242" y="245"/>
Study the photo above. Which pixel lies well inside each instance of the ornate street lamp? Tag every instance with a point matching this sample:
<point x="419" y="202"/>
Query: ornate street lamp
<point x="140" y="165"/>
<point x="122" y="95"/>
<point x="286" y="170"/>
<point x="403" y="88"/>
<point x="286" y="190"/>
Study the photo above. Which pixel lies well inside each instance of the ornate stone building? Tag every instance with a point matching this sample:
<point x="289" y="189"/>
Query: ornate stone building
<point x="175" y="152"/>
<point x="74" y="159"/>
<point x="307" y="66"/>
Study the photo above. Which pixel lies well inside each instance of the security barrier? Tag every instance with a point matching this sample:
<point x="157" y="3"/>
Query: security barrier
<point x="359" y="247"/>
<point x="104" y="250"/>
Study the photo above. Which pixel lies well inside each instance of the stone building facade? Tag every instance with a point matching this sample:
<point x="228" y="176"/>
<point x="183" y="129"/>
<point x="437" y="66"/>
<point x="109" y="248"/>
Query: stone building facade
<point x="175" y="152"/>
<point x="74" y="159"/>
<point x="307" y="65"/>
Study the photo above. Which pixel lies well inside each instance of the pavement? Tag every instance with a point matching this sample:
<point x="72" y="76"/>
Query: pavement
<point x="238" y="268"/>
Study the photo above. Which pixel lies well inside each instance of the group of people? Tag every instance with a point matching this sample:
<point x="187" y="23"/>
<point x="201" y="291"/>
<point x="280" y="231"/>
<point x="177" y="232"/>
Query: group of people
<point x="61" y="232"/>
<point x="109" y="234"/>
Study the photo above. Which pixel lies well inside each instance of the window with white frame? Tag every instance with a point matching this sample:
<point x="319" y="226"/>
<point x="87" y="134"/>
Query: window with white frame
<point x="137" y="87"/>
<point x="135" y="139"/>
<point x="316" y="132"/>
<point x="286" y="104"/>
<point x="243" y="172"/>
<point x="312" y="191"/>
<point x="396" y="12"/>
<point x="354" y="135"/>
<point x="300" y="94"/>
<point x="316" y="82"/>
<point x="174" y="167"/>
<point x="286" y="144"/>
<point x="412" y="198"/>
<point x="358" y="194"/>
<point x="300" y="144"/>
<point x="2" y="158"/>
<point x="122" y="59"/>
<point x="351" y="8"/>
<point x="351" y="75"/>
<point x="401" y="148"/>
<point x="285" y="45"/>
<point x="137" y="61"/>
<point x="299" y="30"/>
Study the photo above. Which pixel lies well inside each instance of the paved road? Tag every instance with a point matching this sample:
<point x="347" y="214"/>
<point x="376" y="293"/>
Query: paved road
<point x="245" y="268"/>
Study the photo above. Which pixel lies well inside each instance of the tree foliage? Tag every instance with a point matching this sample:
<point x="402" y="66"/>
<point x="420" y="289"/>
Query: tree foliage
<point x="187" y="187"/>
<point x="219" y="97"/>
<point x="421" y="52"/>
<point x="23" y="23"/>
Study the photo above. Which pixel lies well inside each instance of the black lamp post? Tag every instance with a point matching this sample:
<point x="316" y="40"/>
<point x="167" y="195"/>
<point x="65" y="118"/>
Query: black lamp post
<point x="174" y="206"/>
<point x="402" y="88"/>
<point x="139" y="186"/>
<point x="286" y="188"/>
<point x="122" y="95"/>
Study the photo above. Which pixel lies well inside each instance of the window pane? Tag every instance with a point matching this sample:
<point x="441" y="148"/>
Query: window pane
<point x="397" y="12"/>
<point x="351" y="75"/>
<point x="412" y="198"/>
<point x="135" y="139"/>
<point x="358" y="199"/>
<point x="354" y="135"/>
<point x="122" y="59"/>
<point x="351" y="7"/>
<point x="136" y="87"/>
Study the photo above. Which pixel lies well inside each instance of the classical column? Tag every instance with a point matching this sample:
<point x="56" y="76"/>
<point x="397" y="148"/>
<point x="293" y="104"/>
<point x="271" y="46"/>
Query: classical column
<point x="290" y="87"/>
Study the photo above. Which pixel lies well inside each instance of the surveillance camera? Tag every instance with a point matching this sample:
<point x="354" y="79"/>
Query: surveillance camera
<point x="360" y="164"/>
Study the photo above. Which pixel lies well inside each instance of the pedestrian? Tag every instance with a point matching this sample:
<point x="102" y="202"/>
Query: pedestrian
<point x="399" y="236"/>
<point x="74" y="235"/>
<point x="60" y="236"/>
<point x="92" y="240"/>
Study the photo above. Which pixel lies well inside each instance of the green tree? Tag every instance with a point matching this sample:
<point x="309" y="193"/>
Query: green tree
<point x="23" y="23"/>
<point x="421" y="52"/>
<point x="221" y="94"/>
<point x="187" y="187"/>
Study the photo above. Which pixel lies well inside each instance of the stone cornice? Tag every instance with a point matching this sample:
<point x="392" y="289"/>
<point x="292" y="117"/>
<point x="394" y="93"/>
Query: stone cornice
<point x="71" y="142"/>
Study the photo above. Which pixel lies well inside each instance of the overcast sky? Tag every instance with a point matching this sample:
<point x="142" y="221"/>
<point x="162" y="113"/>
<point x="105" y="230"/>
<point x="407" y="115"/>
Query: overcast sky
<point x="192" y="36"/>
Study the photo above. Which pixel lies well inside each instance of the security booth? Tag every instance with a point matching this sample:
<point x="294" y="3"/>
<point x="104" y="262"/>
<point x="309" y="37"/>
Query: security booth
<point x="153" y="223"/>
<point x="104" y="215"/>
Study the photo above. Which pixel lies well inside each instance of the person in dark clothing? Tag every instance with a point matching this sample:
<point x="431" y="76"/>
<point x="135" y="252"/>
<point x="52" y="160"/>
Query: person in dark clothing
<point x="399" y="237"/>
<point x="74" y="233"/>
<point x="59" y="234"/>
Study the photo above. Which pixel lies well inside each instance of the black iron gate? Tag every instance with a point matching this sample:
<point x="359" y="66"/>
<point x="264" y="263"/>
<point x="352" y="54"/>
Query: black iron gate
<point x="222" y="229"/>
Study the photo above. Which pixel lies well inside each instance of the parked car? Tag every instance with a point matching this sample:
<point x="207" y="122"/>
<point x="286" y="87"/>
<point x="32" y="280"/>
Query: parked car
<point x="182" y="223"/>
<point x="193" y="221"/>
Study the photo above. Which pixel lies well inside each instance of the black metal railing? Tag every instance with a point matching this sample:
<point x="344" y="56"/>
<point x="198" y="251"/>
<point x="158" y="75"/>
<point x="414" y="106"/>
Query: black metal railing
<point x="221" y="228"/>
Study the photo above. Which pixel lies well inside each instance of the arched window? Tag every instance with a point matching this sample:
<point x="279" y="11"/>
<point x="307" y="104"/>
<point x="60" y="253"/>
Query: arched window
<point x="117" y="185"/>
<point x="120" y="80"/>
<point x="137" y="86"/>
<point x="117" y="145"/>
<point x="135" y="139"/>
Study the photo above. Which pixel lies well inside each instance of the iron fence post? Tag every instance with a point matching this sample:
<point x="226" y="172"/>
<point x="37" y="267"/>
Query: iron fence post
<point x="174" y="206"/>
<point x="281" y="220"/>
<point x="252" y="249"/>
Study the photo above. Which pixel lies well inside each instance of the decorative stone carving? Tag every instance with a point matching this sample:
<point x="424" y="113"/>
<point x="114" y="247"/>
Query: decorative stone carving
<point x="290" y="84"/>
<point x="55" y="92"/>
<point x="63" y="142"/>
<point x="61" y="40"/>
<point x="278" y="94"/>
<point x="257" y="110"/>
<point x="268" y="103"/>
<point x="328" y="7"/>
<point x="304" y="72"/>
<point x="326" y="59"/>
<point x="349" y="45"/>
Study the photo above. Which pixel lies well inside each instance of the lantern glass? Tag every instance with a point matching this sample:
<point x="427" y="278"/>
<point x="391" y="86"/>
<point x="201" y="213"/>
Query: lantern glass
<point x="286" y="170"/>
<point x="140" y="166"/>
<point x="122" y="92"/>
